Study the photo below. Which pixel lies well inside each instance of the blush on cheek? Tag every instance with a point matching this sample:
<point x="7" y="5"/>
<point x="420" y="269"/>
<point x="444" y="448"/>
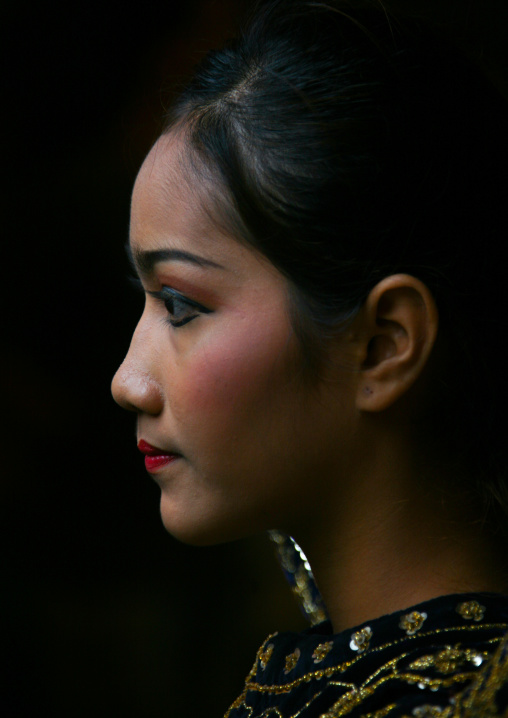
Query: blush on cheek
<point x="242" y="367"/>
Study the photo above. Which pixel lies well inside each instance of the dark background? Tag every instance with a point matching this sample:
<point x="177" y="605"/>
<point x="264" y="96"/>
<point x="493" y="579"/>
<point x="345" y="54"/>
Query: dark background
<point x="103" y="613"/>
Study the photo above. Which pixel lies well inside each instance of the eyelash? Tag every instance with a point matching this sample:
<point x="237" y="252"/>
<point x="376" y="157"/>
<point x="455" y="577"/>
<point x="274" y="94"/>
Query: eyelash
<point x="175" y="304"/>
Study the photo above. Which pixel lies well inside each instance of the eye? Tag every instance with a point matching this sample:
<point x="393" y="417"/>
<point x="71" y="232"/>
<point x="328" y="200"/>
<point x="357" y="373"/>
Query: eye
<point x="181" y="309"/>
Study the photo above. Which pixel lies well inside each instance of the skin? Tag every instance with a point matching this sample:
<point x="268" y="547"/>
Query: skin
<point x="335" y="462"/>
<point x="224" y="390"/>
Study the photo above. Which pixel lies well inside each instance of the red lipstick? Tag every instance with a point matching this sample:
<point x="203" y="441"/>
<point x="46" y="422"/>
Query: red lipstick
<point x="154" y="457"/>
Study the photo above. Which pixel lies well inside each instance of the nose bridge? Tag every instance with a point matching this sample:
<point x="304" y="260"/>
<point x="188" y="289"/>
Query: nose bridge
<point x="134" y="385"/>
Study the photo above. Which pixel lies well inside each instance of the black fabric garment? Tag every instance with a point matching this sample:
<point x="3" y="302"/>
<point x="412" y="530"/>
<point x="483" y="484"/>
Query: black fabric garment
<point x="445" y="657"/>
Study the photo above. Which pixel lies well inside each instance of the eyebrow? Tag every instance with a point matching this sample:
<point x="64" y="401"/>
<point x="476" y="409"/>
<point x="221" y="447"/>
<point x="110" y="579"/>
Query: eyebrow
<point x="145" y="260"/>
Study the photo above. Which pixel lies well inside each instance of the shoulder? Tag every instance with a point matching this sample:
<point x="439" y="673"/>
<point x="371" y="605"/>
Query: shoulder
<point x="447" y="657"/>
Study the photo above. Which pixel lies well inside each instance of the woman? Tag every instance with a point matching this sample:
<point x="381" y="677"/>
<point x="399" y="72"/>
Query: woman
<point x="317" y="233"/>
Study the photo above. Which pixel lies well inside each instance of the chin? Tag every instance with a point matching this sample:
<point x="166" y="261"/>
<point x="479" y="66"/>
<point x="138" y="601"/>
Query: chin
<point x="199" y="530"/>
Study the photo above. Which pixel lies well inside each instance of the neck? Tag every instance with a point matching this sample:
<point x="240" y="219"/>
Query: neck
<point x="394" y="548"/>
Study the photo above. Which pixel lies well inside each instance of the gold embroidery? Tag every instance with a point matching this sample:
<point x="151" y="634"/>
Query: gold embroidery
<point x="381" y="713"/>
<point x="433" y="684"/>
<point x="471" y="610"/>
<point x="427" y="711"/>
<point x="356" y="696"/>
<point x="291" y="661"/>
<point x="449" y="659"/>
<point x="265" y="656"/>
<point x="321" y="651"/>
<point x="388" y="672"/>
<point x="343" y="667"/>
<point x="422" y="663"/>
<point x="347" y="702"/>
<point x="480" y="699"/>
<point x="412" y="622"/>
<point x="361" y="639"/>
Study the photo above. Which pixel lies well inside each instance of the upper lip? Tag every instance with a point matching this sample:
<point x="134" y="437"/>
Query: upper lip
<point x="150" y="450"/>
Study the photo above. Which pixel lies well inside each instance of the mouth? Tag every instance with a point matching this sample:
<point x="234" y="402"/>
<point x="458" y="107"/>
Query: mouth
<point x="155" y="457"/>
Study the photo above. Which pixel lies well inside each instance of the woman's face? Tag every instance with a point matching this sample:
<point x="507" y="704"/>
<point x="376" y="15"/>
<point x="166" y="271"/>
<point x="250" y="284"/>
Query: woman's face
<point x="213" y="371"/>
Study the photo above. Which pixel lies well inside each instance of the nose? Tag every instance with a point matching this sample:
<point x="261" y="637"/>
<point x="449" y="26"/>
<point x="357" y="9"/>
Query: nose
<point x="134" y="387"/>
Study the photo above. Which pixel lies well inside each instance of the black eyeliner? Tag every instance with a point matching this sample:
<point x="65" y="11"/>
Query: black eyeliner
<point x="163" y="294"/>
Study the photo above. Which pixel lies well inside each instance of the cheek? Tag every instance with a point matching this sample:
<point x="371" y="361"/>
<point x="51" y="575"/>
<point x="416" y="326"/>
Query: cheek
<point x="235" y="374"/>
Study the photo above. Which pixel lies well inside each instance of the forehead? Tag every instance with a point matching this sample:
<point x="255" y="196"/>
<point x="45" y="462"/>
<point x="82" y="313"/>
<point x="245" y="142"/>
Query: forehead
<point x="174" y="206"/>
<point x="166" y="190"/>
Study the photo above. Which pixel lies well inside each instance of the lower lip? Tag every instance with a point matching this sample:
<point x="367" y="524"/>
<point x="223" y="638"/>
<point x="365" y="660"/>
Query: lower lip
<point x="152" y="463"/>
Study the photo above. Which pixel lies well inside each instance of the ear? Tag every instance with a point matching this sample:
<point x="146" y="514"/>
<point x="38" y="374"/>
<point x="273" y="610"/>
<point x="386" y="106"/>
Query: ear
<point x="399" y="328"/>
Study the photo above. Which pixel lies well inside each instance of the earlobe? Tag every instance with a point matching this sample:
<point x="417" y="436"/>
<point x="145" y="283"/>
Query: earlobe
<point x="400" y="322"/>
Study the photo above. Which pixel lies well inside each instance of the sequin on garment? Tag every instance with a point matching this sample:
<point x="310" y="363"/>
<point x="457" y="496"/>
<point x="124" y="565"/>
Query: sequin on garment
<point x="412" y="622"/>
<point x="291" y="661"/>
<point x="436" y="659"/>
<point x="265" y="656"/>
<point x="360" y="639"/>
<point x="471" y="610"/>
<point x="427" y="711"/>
<point x="321" y="651"/>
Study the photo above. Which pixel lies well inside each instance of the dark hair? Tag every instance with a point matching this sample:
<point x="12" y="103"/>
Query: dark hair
<point x="348" y="145"/>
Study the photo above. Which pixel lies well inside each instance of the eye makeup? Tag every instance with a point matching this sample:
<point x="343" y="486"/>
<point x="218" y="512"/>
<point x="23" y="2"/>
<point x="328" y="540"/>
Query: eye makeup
<point x="181" y="309"/>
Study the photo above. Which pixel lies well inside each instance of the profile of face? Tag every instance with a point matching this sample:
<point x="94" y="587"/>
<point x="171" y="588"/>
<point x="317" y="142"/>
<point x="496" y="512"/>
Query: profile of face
<point x="239" y="440"/>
